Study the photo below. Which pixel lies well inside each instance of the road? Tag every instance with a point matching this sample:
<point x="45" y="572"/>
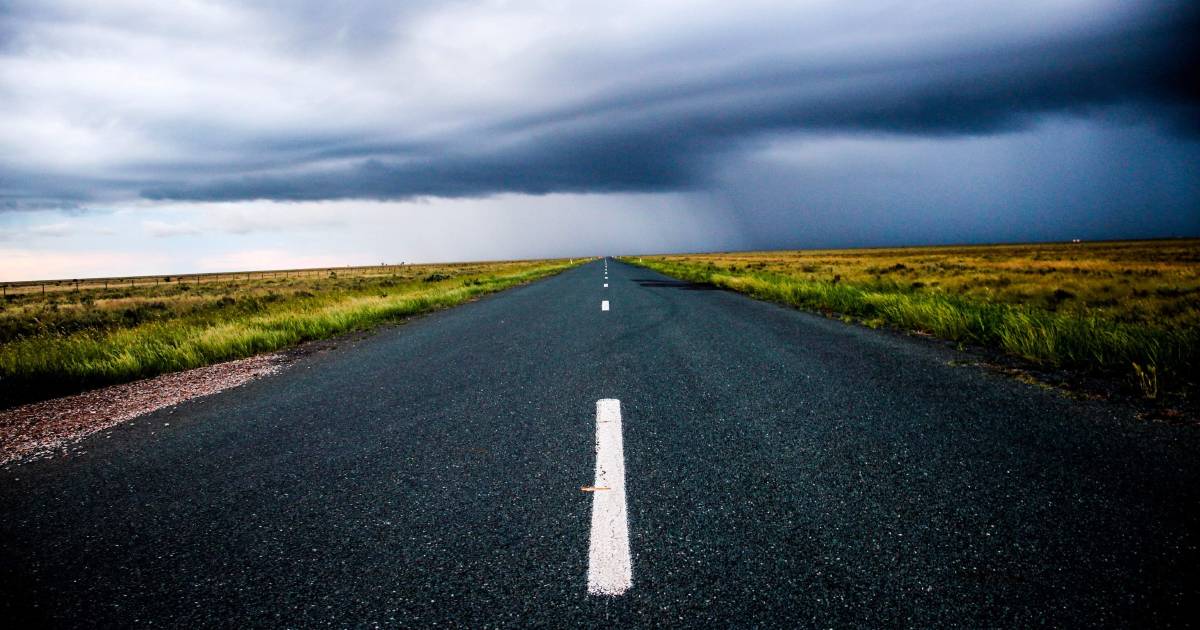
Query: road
<point x="779" y="469"/>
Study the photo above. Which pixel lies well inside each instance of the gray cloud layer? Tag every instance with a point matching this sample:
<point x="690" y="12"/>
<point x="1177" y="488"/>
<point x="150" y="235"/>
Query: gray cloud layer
<point x="301" y="102"/>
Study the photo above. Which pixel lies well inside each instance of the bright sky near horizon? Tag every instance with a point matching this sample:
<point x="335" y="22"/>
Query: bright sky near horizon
<point x="151" y="137"/>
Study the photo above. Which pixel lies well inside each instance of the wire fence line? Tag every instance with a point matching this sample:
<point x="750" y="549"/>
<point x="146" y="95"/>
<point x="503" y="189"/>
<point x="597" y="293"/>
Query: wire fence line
<point x="81" y="284"/>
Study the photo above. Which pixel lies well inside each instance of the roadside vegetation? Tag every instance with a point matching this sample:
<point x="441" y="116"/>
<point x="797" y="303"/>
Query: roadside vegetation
<point x="1130" y="309"/>
<point x="66" y="341"/>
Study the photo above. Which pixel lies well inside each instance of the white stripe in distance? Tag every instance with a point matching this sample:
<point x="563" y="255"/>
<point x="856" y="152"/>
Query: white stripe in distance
<point x="610" y="569"/>
<point x="604" y="305"/>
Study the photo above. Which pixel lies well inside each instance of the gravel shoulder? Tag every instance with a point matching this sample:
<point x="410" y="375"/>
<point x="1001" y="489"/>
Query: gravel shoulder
<point x="44" y="429"/>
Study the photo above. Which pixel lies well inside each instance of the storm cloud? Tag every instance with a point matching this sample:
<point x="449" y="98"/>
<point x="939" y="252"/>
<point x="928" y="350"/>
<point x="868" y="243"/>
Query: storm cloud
<point x="108" y="102"/>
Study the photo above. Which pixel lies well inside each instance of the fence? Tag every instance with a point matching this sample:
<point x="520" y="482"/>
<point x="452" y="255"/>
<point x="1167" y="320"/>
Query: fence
<point x="44" y="286"/>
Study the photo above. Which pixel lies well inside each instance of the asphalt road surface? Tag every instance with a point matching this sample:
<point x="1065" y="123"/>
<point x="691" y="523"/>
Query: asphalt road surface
<point x="779" y="469"/>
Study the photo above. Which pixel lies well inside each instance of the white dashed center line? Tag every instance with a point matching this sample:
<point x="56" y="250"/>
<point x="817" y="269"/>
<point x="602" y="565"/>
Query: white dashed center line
<point x="605" y="285"/>
<point x="610" y="568"/>
<point x="604" y="305"/>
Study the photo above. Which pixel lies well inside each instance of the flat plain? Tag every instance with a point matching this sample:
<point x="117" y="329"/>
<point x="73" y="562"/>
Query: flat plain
<point x="120" y="329"/>
<point x="781" y="469"/>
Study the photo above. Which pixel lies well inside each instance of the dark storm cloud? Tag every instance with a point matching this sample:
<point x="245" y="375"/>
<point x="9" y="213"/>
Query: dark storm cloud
<point x="1150" y="62"/>
<point x="635" y="131"/>
<point x="558" y="162"/>
<point x="659" y="137"/>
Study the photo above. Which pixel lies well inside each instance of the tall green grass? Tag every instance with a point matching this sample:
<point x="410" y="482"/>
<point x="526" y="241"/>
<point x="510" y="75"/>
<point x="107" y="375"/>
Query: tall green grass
<point x="37" y="365"/>
<point x="1028" y="332"/>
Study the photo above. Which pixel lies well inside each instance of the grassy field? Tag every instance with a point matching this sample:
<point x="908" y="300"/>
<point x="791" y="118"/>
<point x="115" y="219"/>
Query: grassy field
<point x="1125" y="308"/>
<point x="68" y="340"/>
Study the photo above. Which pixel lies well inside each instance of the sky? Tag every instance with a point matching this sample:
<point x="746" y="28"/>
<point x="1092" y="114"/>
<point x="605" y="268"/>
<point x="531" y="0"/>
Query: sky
<point x="194" y="136"/>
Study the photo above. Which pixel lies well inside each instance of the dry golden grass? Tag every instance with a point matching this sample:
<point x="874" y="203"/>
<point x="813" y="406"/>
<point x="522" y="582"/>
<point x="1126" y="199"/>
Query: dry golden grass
<point x="1146" y="282"/>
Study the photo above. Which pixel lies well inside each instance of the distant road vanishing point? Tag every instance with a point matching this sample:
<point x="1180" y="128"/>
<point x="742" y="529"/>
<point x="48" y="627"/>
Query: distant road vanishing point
<point x="612" y="446"/>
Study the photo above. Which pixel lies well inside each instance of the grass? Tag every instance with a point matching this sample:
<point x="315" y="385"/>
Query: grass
<point x="1124" y="308"/>
<point x="66" y="341"/>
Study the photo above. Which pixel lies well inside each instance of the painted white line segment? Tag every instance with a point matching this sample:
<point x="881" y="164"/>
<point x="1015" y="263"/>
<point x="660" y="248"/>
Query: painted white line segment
<point x="604" y="305"/>
<point x="605" y="285"/>
<point x="610" y="569"/>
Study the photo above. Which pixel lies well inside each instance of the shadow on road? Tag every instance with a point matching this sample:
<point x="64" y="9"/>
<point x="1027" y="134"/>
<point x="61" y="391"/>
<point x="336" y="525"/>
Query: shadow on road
<point x="674" y="284"/>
